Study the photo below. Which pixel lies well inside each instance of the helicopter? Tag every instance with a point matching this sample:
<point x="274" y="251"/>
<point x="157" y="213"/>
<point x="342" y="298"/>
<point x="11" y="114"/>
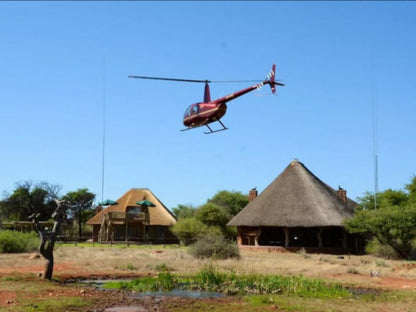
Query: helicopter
<point x="204" y="113"/>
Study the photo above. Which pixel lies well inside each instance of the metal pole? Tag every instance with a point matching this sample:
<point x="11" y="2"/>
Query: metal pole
<point x="373" y="86"/>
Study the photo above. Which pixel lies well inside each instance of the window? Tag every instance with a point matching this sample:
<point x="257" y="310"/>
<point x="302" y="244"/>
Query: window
<point x="188" y="111"/>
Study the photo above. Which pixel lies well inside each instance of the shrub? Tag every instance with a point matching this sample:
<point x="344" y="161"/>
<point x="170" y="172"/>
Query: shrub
<point x="14" y="242"/>
<point x="214" y="247"/>
<point x="189" y="230"/>
<point x="384" y="251"/>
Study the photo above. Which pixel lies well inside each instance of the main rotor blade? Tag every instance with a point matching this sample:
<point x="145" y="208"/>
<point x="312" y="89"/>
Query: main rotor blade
<point x="192" y="80"/>
<point x="170" y="79"/>
<point x="234" y="81"/>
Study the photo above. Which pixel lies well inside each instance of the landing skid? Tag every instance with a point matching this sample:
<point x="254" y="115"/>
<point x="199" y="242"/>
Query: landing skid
<point x="210" y="130"/>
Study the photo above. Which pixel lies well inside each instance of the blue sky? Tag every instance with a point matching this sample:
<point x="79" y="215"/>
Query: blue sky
<point x="61" y="62"/>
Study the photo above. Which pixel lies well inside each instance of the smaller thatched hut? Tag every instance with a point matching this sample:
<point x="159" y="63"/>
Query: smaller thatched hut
<point x="296" y="210"/>
<point x="133" y="222"/>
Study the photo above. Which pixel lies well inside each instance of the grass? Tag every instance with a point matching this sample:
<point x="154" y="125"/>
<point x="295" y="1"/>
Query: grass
<point x="144" y="259"/>
<point x="16" y="242"/>
<point x="51" y="305"/>
<point x="300" y="281"/>
<point x="291" y="303"/>
<point x="33" y="294"/>
<point x="210" y="279"/>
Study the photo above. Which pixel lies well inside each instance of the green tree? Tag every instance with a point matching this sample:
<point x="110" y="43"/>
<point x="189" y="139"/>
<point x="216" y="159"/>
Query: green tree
<point x="393" y="223"/>
<point x="233" y="202"/>
<point x="27" y="199"/>
<point x="184" y="211"/>
<point x="384" y="199"/>
<point x="411" y="188"/>
<point x="392" y="226"/>
<point x="189" y="230"/>
<point x="80" y="204"/>
<point x="213" y="215"/>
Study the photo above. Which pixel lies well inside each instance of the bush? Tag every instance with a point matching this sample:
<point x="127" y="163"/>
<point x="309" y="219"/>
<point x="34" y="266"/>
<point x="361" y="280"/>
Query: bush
<point x="214" y="247"/>
<point x="384" y="251"/>
<point x="392" y="226"/>
<point x="189" y="230"/>
<point x="14" y="242"/>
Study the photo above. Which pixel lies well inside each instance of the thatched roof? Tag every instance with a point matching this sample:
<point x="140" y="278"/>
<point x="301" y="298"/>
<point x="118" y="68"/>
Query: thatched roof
<point x="159" y="215"/>
<point x="295" y="198"/>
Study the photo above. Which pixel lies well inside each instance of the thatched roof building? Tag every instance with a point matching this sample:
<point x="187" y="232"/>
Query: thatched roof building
<point x="129" y="221"/>
<point x="296" y="209"/>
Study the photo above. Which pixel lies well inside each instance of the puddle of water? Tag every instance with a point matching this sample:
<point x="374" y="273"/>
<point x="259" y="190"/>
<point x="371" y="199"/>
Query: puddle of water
<point x="100" y="283"/>
<point x="177" y="292"/>
<point x="180" y="293"/>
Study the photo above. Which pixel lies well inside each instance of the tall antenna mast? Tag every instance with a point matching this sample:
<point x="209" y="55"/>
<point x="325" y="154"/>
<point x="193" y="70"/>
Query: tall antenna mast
<point x="103" y="158"/>
<point x="373" y="87"/>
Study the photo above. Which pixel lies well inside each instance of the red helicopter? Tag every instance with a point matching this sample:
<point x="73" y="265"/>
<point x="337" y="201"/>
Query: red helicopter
<point x="206" y="112"/>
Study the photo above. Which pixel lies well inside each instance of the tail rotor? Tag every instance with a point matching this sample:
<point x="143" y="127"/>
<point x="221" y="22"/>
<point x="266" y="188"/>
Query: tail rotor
<point x="271" y="79"/>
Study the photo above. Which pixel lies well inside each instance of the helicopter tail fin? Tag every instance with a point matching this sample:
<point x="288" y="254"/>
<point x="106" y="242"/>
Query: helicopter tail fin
<point x="271" y="79"/>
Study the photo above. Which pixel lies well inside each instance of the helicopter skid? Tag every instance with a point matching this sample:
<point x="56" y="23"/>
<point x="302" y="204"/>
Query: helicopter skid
<point x="210" y="129"/>
<point x="213" y="131"/>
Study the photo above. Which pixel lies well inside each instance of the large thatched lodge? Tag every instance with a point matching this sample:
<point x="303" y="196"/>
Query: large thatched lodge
<point x="130" y="221"/>
<point x="297" y="210"/>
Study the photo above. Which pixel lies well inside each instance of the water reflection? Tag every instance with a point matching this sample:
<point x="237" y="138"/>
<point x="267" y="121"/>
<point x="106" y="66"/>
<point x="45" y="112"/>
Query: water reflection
<point x="176" y="292"/>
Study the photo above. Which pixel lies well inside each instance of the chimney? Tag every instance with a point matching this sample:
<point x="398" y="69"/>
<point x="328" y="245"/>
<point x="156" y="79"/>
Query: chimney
<point x="252" y="194"/>
<point x="98" y="209"/>
<point x="342" y="194"/>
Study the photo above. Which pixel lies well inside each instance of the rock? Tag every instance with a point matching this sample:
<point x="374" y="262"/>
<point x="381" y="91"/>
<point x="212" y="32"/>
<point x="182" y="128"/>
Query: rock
<point x="9" y="301"/>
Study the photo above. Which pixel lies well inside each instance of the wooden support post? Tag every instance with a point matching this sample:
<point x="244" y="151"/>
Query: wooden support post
<point x="127" y="226"/>
<point x="239" y="236"/>
<point x="319" y="235"/>
<point x="344" y="239"/>
<point x="287" y="237"/>
<point x="256" y="238"/>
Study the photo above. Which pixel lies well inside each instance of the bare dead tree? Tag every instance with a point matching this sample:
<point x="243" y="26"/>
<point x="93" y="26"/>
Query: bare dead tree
<point x="48" y="240"/>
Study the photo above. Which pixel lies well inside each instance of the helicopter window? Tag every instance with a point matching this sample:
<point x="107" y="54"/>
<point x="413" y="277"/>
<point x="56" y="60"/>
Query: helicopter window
<point x="188" y="111"/>
<point x="195" y="109"/>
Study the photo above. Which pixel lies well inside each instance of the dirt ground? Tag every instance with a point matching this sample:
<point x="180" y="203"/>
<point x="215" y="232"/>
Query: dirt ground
<point x="104" y="301"/>
<point x="355" y="271"/>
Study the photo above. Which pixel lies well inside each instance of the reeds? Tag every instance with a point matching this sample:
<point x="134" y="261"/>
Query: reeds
<point x="210" y="279"/>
